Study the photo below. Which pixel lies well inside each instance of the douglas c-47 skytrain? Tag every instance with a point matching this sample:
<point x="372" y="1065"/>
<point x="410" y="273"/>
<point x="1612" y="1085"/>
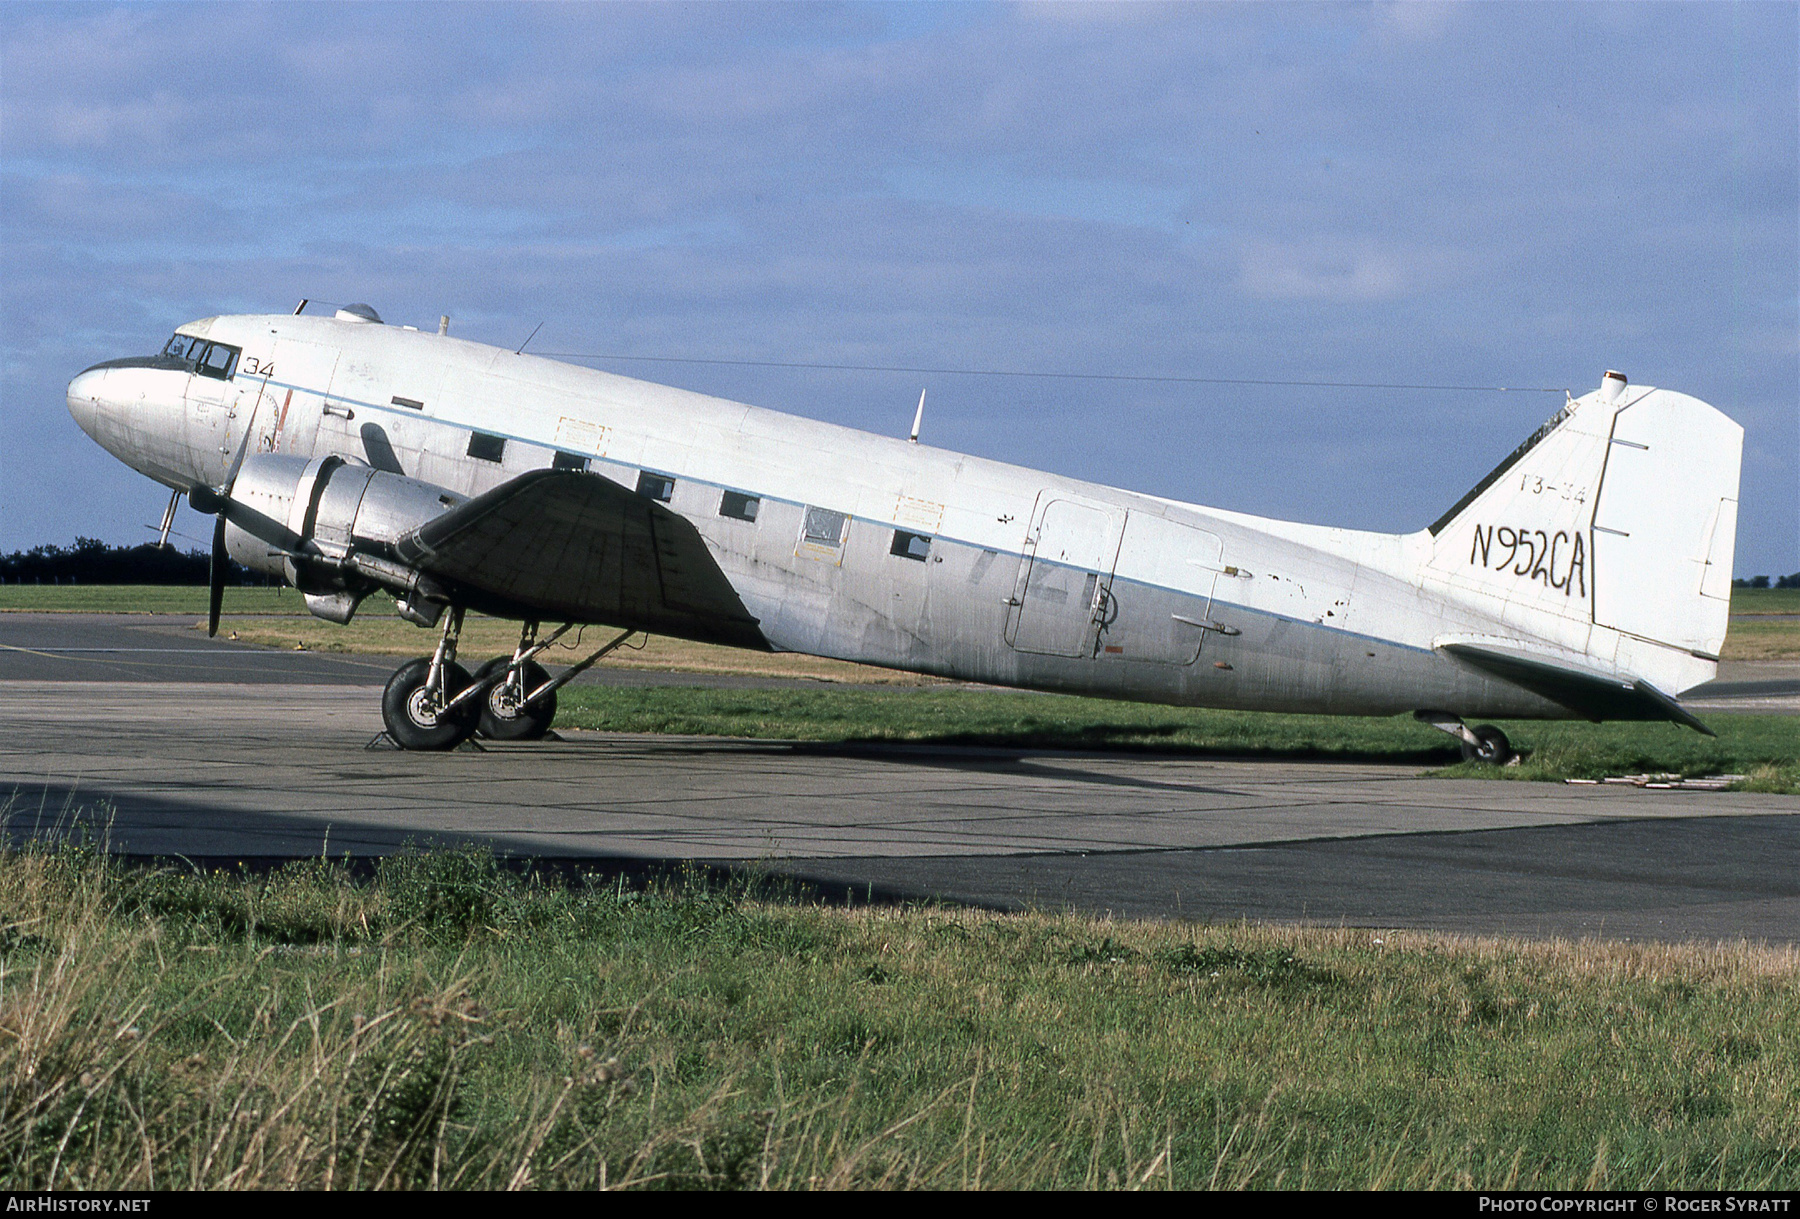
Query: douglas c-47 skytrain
<point x="1587" y="577"/>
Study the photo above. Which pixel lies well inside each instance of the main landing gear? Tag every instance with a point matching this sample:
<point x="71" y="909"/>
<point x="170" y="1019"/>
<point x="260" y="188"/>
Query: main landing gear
<point x="1484" y="744"/>
<point x="433" y="703"/>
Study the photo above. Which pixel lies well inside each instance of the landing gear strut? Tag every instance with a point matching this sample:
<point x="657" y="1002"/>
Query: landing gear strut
<point x="1484" y="744"/>
<point x="433" y="703"/>
<point x="423" y="706"/>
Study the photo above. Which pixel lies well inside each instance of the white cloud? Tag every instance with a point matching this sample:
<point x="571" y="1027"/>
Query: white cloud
<point x="1328" y="270"/>
<point x="1416" y="21"/>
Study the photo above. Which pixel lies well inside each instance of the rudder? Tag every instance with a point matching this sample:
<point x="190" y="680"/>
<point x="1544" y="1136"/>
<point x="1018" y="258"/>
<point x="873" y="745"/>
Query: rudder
<point x="1665" y="528"/>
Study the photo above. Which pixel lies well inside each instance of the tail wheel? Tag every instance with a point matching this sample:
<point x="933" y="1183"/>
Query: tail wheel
<point x="502" y="718"/>
<point x="416" y="719"/>
<point x="1490" y="745"/>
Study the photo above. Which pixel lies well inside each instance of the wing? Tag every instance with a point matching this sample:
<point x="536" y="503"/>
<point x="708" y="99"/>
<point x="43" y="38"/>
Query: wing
<point x="577" y="546"/>
<point x="1595" y="696"/>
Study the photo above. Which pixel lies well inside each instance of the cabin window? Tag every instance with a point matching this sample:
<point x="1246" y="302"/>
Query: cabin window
<point x="655" y="486"/>
<point x="911" y="545"/>
<point x="485" y="447"/>
<point x="217" y="361"/>
<point x="568" y="461"/>
<point x="738" y="506"/>
<point x="823" y="527"/>
<point x="411" y="404"/>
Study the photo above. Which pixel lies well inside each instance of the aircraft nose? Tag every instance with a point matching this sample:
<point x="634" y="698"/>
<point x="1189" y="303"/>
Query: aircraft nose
<point x="84" y="399"/>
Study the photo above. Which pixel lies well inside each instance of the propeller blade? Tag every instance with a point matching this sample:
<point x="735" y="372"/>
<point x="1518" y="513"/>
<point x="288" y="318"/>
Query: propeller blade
<point x="220" y="500"/>
<point x="203" y="498"/>
<point x="237" y="462"/>
<point x="220" y="562"/>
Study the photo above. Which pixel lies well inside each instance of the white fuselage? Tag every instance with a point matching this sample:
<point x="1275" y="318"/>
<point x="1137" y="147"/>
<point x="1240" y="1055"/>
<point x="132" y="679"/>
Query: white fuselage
<point x="869" y="548"/>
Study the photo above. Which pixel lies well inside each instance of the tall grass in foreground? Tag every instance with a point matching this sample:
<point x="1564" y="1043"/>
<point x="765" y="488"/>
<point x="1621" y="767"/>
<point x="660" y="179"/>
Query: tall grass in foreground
<point x="449" y="1023"/>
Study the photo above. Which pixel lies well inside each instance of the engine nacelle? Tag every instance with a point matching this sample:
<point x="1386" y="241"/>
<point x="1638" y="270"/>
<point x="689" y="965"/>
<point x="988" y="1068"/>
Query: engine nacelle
<point x="327" y="525"/>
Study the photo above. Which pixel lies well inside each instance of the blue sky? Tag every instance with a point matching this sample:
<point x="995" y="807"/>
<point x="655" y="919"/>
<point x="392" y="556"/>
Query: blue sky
<point x="1482" y="194"/>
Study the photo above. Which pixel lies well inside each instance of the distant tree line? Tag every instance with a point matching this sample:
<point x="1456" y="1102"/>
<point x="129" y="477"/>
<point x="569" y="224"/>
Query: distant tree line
<point x="91" y="561"/>
<point x="1792" y="581"/>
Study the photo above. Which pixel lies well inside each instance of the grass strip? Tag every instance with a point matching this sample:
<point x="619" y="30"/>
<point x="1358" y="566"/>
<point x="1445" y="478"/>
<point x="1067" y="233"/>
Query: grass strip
<point x="1766" y="748"/>
<point x="1765" y="601"/>
<point x="446" y="1022"/>
<point x="1754" y="637"/>
<point x="144" y="599"/>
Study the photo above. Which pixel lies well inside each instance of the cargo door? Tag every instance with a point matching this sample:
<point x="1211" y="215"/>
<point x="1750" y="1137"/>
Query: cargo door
<point x="1063" y="577"/>
<point x="1161" y="592"/>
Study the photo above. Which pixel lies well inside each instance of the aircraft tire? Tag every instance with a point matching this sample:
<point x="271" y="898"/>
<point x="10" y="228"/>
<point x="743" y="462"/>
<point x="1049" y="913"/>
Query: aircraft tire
<point x="413" y="724"/>
<point x="500" y="720"/>
<point x="1491" y="746"/>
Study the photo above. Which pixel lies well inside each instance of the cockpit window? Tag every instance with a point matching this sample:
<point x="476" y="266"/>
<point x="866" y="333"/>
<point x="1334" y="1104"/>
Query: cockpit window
<point x="208" y="359"/>
<point x="217" y="361"/>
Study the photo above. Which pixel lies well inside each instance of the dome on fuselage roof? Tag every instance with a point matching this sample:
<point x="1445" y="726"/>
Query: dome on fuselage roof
<point x="357" y="313"/>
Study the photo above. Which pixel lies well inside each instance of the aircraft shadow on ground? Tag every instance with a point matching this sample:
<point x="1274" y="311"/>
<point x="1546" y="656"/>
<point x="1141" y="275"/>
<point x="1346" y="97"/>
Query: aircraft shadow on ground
<point x="975" y="752"/>
<point x="62" y="814"/>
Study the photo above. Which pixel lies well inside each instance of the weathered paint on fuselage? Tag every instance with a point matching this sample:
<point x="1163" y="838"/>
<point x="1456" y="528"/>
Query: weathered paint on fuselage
<point x="1315" y="619"/>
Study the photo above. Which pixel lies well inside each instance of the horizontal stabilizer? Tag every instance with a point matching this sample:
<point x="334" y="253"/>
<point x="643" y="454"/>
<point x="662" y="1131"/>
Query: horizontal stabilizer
<point x="577" y="546"/>
<point x="1593" y="695"/>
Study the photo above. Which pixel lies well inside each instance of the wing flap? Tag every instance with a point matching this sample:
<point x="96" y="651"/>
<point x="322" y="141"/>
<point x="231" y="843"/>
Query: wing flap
<point x="575" y="545"/>
<point x="1594" y="695"/>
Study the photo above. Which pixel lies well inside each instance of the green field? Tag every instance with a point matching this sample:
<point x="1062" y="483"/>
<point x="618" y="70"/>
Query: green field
<point x="1761" y="625"/>
<point x="143" y="599"/>
<point x="1765" y="601"/>
<point x="450" y="1024"/>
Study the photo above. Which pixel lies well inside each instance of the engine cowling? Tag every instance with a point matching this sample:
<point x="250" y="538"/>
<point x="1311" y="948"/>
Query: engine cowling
<point x="327" y="526"/>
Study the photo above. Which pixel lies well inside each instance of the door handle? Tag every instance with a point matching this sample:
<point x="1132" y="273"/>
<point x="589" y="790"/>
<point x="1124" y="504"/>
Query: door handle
<point x="1218" y="627"/>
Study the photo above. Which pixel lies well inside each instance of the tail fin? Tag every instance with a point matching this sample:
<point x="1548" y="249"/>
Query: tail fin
<point x="1620" y="512"/>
